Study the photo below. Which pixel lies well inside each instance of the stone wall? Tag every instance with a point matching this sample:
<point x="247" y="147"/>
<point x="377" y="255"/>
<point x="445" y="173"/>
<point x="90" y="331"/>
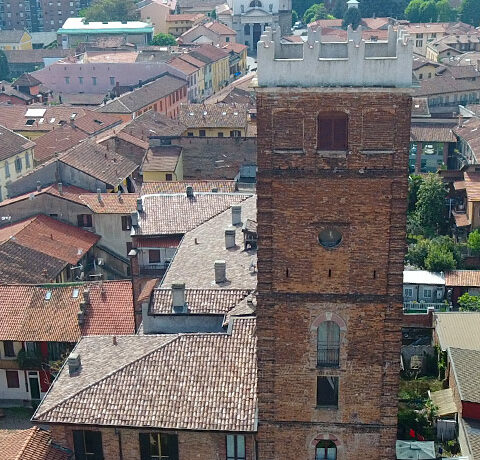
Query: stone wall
<point x="362" y="193"/>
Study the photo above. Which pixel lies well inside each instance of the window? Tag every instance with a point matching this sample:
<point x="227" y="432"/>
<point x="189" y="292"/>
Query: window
<point x="87" y="445"/>
<point x="112" y="81"/>
<point x="94" y="81"/>
<point x="420" y="76"/>
<point x="168" y="177"/>
<point x="8" y="349"/>
<point x="18" y="165"/>
<point x="7" y="169"/>
<point x="330" y="238"/>
<point x="84" y="220"/>
<point x="158" y="446"/>
<point x="154" y="256"/>
<point x="227" y="39"/>
<point x="67" y="80"/>
<point x="235" y="133"/>
<point x="427" y="293"/>
<point x="12" y="379"/>
<point x="126" y="223"/>
<point x="327" y="391"/>
<point x="332" y="131"/>
<point x="220" y="134"/>
<point x="256" y="4"/>
<point x="80" y="80"/>
<point x="236" y="447"/>
<point x="408" y="292"/>
<point x="201" y="133"/>
<point x="189" y="134"/>
<point x="31" y="348"/>
<point x="325" y="450"/>
<point x="328" y="344"/>
<point x="27" y="160"/>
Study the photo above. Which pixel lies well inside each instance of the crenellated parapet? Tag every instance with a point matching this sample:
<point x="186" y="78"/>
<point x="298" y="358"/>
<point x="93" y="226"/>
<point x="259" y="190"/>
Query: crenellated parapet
<point x="355" y="62"/>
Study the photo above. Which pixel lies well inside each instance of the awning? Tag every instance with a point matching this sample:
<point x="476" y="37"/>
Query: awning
<point x="443" y="399"/>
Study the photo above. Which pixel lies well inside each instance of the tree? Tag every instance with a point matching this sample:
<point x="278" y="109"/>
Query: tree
<point x="445" y="12"/>
<point x="413" y="11"/>
<point x="111" y="10"/>
<point x="4" y="70"/>
<point x="414" y="182"/>
<point x="439" y="254"/>
<point x="382" y="8"/>
<point x="339" y="8"/>
<point x="351" y="17"/>
<point x="473" y="241"/>
<point x="469" y="302"/>
<point x="417" y="253"/>
<point x="430" y="207"/>
<point x="294" y="17"/>
<point x="428" y="11"/>
<point x="164" y="40"/>
<point x="300" y="6"/>
<point x="439" y="259"/>
<point x="470" y="12"/>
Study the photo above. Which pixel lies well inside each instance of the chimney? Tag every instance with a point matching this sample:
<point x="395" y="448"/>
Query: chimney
<point x="114" y="340"/>
<point x="60" y="188"/>
<point x="39" y="186"/>
<point x="80" y="317"/>
<point x="83" y="306"/>
<point x="236" y="215"/>
<point x="189" y="191"/>
<point x="460" y="121"/>
<point x="178" y="298"/>
<point x="229" y="238"/>
<point x="139" y="205"/>
<point x="134" y="217"/>
<point x="140" y="83"/>
<point x="74" y="363"/>
<point x="220" y="271"/>
<point x="99" y="195"/>
<point x="86" y="296"/>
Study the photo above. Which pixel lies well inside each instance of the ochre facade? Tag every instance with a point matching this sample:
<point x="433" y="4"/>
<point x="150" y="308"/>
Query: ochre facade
<point x="360" y="192"/>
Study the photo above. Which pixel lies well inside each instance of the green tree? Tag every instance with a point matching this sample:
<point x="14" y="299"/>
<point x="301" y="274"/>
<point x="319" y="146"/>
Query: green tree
<point x="413" y="11"/>
<point x="470" y="12"/>
<point x="428" y="10"/>
<point x="382" y="8"/>
<point x="294" y="17"/>
<point x="316" y="12"/>
<point x="351" y="17"/>
<point x="469" y="302"/>
<point x="414" y="182"/>
<point x="439" y="259"/>
<point x="164" y="40"/>
<point x="439" y="254"/>
<point x="111" y="10"/>
<point x="339" y="8"/>
<point x="473" y="241"/>
<point x="417" y="253"/>
<point x="430" y="207"/>
<point x="4" y="70"/>
<point x="445" y="12"/>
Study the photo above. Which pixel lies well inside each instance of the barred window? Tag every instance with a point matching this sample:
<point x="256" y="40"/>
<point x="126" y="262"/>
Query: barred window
<point x="328" y="344"/>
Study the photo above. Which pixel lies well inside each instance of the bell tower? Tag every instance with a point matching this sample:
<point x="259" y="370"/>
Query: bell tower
<point x="334" y="129"/>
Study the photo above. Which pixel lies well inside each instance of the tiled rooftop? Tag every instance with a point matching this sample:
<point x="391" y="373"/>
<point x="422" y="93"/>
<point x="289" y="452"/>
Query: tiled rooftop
<point x="464" y="278"/>
<point x="199" y="301"/>
<point x="227" y="186"/>
<point x="12" y="143"/>
<point x="27" y="314"/>
<point x="57" y="141"/>
<point x="111" y="203"/>
<point x="213" y="116"/>
<point x="465" y="365"/>
<point x="425" y="132"/>
<point x="458" y="329"/>
<point x="185" y="381"/>
<point x="174" y="214"/>
<point x="32" y="444"/>
<point x="469" y="132"/>
<point x="153" y="123"/>
<point x="69" y="192"/>
<point x="205" y="244"/>
<point x="162" y="158"/>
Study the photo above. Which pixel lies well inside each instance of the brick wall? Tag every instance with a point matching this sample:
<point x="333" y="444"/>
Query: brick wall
<point x="358" y="284"/>
<point x="191" y="445"/>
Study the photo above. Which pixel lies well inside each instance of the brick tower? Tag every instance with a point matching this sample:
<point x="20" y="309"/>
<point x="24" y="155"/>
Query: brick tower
<point x="334" y="129"/>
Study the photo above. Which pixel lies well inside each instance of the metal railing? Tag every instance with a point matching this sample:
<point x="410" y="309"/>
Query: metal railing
<point x="328" y="355"/>
<point x="424" y="306"/>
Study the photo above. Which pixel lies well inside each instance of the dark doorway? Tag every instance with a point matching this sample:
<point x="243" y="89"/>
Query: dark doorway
<point x="34" y="385"/>
<point x="257" y="33"/>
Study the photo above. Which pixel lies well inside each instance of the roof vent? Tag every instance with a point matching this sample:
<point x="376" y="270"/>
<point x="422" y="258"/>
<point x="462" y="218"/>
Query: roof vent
<point x="139" y="205"/>
<point x="74" y="363"/>
<point x="178" y="298"/>
<point x="229" y="238"/>
<point x="220" y="267"/>
<point x="236" y="215"/>
<point x="75" y="293"/>
<point x="189" y="191"/>
<point x="48" y="295"/>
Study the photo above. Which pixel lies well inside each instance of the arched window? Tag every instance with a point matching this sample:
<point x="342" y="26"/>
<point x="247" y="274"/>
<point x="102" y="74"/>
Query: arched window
<point x="255" y="4"/>
<point x="325" y="450"/>
<point x="328" y="344"/>
<point x="332" y="131"/>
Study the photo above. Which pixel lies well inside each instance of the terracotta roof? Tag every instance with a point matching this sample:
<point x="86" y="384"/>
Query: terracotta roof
<point x="26" y="80"/>
<point x="184" y="17"/>
<point x="50" y="237"/>
<point x="9" y="90"/>
<point x="95" y="122"/>
<point x="185" y="381"/>
<point x="132" y="139"/>
<point x="162" y="158"/>
<point x="111" y="203"/>
<point x="469" y="132"/>
<point x="176" y="214"/>
<point x="69" y="192"/>
<point x="472" y="185"/>
<point x="461" y="219"/>
<point x="146" y="289"/>
<point x="112" y="56"/>
<point x="426" y="132"/>
<point x="35" y="56"/>
<point x="213" y="116"/>
<point x="99" y="162"/>
<point x="219" y="28"/>
<point x="420" y="107"/>
<point x="192" y="60"/>
<point x="458" y="329"/>
<point x="147" y="94"/>
<point x="465" y="365"/>
<point x="444" y="84"/>
<point x="28" y="316"/>
<point x="199" y="301"/>
<point x="57" y="141"/>
<point x="227" y="186"/>
<point x="205" y="244"/>
<point x="12" y="143"/>
<point x="11" y="36"/>
<point x="183" y="66"/>
<point x="464" y="278"/>
<point x="209" y="53"/>
<point x="169" y="241"/>
<point x="32" y="444"/>
<point x="235" y="47"/>
<point x="152" y="124"/>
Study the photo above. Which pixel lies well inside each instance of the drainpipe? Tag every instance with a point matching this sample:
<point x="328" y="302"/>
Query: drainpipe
<point x="119" y="436"/>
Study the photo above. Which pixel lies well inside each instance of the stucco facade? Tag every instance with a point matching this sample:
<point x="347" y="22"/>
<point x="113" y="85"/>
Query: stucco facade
<point x="14" y="167"/>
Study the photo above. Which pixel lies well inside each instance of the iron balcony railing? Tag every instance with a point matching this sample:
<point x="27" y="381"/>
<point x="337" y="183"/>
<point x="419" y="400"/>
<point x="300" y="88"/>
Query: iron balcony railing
<point x="328" y="355"/>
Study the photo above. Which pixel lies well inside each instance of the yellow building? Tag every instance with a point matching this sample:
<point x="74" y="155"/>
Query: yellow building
<point x="163" y="163"/>
<point x="214" y="120"/>
<point x="177" y="24"/>
<point x="217" y="67"/>
<point x="15" y="40"/>
<point x="16" y="158"/>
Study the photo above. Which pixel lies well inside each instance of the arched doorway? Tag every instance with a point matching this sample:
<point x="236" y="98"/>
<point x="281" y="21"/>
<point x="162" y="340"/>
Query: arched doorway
<point x="257" y="33"/>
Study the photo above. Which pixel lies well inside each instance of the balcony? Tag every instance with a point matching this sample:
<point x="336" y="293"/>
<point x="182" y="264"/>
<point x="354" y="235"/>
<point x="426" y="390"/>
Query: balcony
<point x="422" y="307"/>
<point x="156" y="270"/>
<point x="328" y="355"/>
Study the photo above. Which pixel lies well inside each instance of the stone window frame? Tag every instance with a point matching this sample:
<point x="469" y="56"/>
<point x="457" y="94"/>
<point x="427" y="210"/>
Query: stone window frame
<point x="326" y="437"/>
<point x="340" y="322"/>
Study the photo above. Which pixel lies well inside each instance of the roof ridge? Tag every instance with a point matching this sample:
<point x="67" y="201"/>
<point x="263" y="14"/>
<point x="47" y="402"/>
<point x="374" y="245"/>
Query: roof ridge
<point x="26" y="442"/>
<point x="175" y="337"/>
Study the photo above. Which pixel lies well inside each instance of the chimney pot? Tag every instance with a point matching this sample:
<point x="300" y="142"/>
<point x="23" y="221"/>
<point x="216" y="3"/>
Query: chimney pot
<point x="74" y="363"/>
<point x="86" y="296"/>
<point x="189" y="191"/>
<point x="236" y="215"/>
<point x="80" y="317"/>
<point x="220" y="267"/>
<point x="39" y="186"/>
<point x="178" y="297"/>
<point x="60" y="188"/>
<point x="139" y="205"/>
<point x="114" y="340"/>
<point x="99" y="195"/>
<point x="230" y="238"/>
<point x="134" y="217"/>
